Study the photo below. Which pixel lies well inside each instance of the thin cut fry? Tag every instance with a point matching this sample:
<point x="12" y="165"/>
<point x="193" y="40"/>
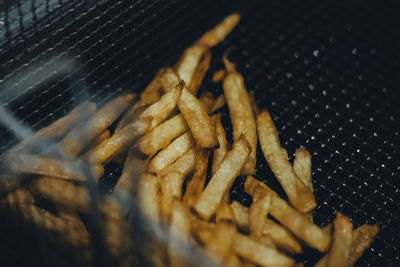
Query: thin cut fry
<point x="200" y="72"/>
<point x="259" y="254"/>
<point x="218" y="76"/>
<point x="196" y="185"/>
<point x="300" y="196"/>
<point x="207" y="99"/>
<point x="153" y="91"/>
<point x="258" y="211"/>
<point x="232" y="260"/>
<point x="193" y="111"/>
<point x="341" y="243"/>
<point x="222" y="180"/>
<point x="147" y="121"/>
<point x="148" y="196"/>
<point x="62" y="193"/>
<point x="220" y="31"/>
<point x="172" y="152"/>
<point x="241" y="214"/>
<point x="184" y="164"/>
<point x="97" y="140"/>
<point x="81" y="135"/>
<point x="296" y="222"/>
<point x="179" y="232"/>
<point x="171" y="186"/>
<point x="302" y="167"/>
<point x="49" y="166"/>
<point x="219" y="153"/>
<point x="218" y="104"/>
<point x="134" y="167"/>
<point x="60" y="127"/>
<point x="362" y="238"/>
<point x="241" y="113"/>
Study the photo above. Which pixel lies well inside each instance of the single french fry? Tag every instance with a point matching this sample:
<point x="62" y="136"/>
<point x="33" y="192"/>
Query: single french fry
<point x="362" y="238"/>
<point x="220" y="31"/>
<point x="196" y="185"/>
<point x="162" y="135"/>
<point x="241" y="214"/>
<point x="147" y="121"/>
<point x="302" y="167"/>
<point x="134" y="167"/>
<point x="207" y="99"/>
<point x="129" y="116"/>
<point x="222" y="180"/>
<point x="172" y="152"/>
<point x="153" y="91"/>
<point x="185" y="164"/>
<point x="241" y="113"/>
<point x="196" y="116"/>
<point x="296" y="222"/>
<point x="341" y="243"/>
<point x="148" y="196"/>
<point x="60" y="127"/>
<point x="218" y="104"/>
<point x="62" y="193"/>
<point x="258" y="211"/>
<point x="252" y="251"/>
<point x="218" y="76"/>
<point x="171" y="186"/>
<point x="300" y="196"/>
<point x="219" y="153"/>
<point x="179" y="232"/>
<point x="82" y="134"/>
<point x="49" y="166"/>
<point x="200" y="72"/>
<point x="327" y="228"/>
<point x="97" y="140"/>
<point x="220" y="245"/>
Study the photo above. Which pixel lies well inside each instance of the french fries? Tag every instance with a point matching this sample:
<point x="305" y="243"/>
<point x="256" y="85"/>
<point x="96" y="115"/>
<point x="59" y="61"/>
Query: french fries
<point x="219" y="153"/>
<point x="184" y="164"/>
<point x="148" y="196"/>
<point x="362" y="238"/>
<point x="296" y="222"/>
<point x="220" y="182"/>
<point x="218" y="104"/>
<point x="171" y="187"/>
<point x="241" y="214"/>
<point x="258" y="211"/>
<point x="241" y="113"/>
<point x="200" y="72"/>
<point x="299" y="195"/>
<point x="341" y="244"/>
<point x="302" y="167"/>
<point x="175" y="149"/>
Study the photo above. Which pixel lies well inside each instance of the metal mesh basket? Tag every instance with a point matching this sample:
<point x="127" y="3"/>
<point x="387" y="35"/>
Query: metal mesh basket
<point x="327" y="72"/>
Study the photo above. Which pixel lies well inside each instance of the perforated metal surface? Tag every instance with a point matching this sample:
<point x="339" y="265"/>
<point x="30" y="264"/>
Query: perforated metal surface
<point x="327" y="72"/>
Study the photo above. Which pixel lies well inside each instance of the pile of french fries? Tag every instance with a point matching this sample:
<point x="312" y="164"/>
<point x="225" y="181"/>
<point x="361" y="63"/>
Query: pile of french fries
<point x="169" y="139"/>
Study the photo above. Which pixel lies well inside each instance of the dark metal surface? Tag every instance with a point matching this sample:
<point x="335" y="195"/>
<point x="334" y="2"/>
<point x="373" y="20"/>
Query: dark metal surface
<point x="327" y="71"/>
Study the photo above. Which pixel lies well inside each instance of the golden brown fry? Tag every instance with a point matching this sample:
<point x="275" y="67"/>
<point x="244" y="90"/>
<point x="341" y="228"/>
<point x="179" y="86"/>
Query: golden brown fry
<point x="219" y="103"/>
<point x="241" y="113"/>
<point x="97" y="140"/>
<point x="148" y="196"/>
<point x="200" y="72"/>
<point x="184" y="164"/>
<point x="171" y="186"/>
<point x="362" y="238"/>
<point x="49" y="166"/>
<point x="302" y="167"/>
<point x="225" y="231"/>
<point x="207" y="99"/>
<point x="162" y="135"/>
<point x="232" y="260"/>
<point x="81" y="135"/>
<point x="218" y="76"/>
<point x="299" y="195"/>
<point x="153" y="91"/>
<point x="179" y="232"/>
<point x="296" y="222"/>
<point x="193" y="111"/>
<point x="134" y="167"/>
<point x="258" y="211"/>
<point x="341" y="243"/>
<point x="148" y="120"/>
<point x="220" y="31"/>
<point x="129" y="116"/>
<point x="189" y="63"/>
<point x="259" y="254"/>
<point x="60" y="127"/>
<point x="62" y="193"/>
<point x="327" y="228"/>
<point x="172" y="152"/>
<point x="241" y="214"/>
<point x="219" y="153"/>
<point x="222" y="180"/>
<point x="196" y="185"/>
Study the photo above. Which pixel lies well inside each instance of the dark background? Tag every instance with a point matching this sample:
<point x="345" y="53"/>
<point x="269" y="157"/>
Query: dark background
<point x="328" y="72"/>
